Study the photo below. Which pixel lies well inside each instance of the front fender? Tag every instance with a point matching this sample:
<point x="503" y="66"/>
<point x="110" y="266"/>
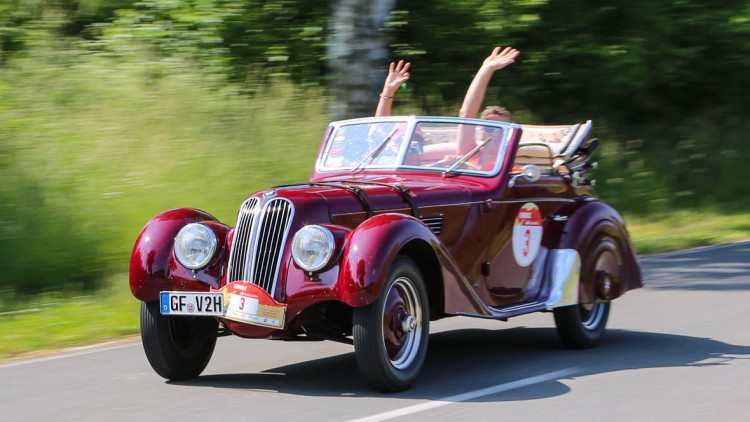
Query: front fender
<point x="153" y="267"/>
<point x="583" y="226"/>
<point x="371" y="249"/>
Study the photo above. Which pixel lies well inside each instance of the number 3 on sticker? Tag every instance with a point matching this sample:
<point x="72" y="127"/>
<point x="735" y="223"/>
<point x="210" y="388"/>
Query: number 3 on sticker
<point x="526" y="236"/>
<point x="244" y="304"/>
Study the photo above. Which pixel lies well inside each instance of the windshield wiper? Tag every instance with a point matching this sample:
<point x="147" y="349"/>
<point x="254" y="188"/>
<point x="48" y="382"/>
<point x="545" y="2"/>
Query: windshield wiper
<point x="470" y="154"/>
<point x="374" y="153"/>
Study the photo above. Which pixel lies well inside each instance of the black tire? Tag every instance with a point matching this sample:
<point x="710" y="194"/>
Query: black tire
<point x="391" y="334"/>
<point x="582" y="326"/>
<point x="177" y="347"/>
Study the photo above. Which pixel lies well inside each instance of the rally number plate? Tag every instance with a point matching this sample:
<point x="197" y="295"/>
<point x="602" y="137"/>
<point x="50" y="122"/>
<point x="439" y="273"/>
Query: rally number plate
<point x="192" y="303"/>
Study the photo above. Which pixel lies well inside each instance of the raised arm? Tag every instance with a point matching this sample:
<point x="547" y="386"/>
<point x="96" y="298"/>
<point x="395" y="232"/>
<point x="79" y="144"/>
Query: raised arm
<point x="398" y="73"/>
<point x="475" y="94"/>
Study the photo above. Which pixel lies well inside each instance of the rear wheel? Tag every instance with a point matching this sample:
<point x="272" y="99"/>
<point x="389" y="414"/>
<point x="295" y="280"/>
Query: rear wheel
<point x="177" y="347"/>
<point x="390" y="335"/>
<point x="582" y="326"/>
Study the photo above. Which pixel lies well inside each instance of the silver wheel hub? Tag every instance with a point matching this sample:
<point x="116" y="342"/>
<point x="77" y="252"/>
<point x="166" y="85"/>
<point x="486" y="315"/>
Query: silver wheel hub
<point x="409" y="324"/>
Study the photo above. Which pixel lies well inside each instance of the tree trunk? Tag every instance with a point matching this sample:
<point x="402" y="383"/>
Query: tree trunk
<point x="357" y="54"/>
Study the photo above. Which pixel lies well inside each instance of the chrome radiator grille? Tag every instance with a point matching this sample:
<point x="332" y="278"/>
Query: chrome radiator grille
<point x="259" y="239"/>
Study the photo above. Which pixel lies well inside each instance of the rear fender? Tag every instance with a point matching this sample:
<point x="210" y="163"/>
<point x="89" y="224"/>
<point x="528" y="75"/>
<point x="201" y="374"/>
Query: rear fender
<point x="371" y="249"/>
<point x="153" y="266"/>
<point x="583" y="228"/>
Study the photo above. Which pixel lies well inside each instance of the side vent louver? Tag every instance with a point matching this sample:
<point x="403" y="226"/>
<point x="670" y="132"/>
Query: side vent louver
<point x="435" y="224"/>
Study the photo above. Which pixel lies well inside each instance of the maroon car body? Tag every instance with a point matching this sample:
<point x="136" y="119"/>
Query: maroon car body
<point x="469" y="217"/>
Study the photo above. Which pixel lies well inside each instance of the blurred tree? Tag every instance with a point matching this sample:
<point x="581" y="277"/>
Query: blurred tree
<point x="357" y="51"/>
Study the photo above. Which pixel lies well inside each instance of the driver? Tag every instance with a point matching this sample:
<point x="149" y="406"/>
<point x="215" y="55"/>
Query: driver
<point x="498" y="59"/>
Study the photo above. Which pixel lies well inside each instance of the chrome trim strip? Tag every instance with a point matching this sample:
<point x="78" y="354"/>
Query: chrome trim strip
<point x="517" y="201"/>
<point x="563" y="276"/>
<point x="424" y="209"/>
<point x="517" y="308"/>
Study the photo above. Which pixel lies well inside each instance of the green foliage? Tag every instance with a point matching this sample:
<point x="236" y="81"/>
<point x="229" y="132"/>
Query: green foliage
<point x="114" y="110"/>
<point x="247" y="41"/>
<point x="636" y="61"/>
<point x="12" y="18"/>
<point x="93" y="148"/>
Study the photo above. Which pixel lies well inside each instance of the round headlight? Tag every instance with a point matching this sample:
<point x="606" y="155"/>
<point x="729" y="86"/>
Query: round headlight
<point x="312" y="247"/>
<point x="194" y="246"/>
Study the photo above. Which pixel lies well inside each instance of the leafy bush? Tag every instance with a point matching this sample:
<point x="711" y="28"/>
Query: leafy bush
<point x="94" y="147"/>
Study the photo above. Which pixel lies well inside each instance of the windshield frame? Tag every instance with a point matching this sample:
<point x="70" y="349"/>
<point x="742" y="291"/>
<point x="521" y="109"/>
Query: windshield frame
<point x="411" y="124"/>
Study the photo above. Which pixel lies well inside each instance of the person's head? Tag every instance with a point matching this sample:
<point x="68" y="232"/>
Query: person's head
<point x="497" y="113"/>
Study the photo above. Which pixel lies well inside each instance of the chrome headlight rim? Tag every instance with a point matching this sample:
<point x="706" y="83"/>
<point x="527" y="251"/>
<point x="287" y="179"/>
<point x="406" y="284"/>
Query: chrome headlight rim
<point x="209" y="252"/>
<point x="326" y="258"/>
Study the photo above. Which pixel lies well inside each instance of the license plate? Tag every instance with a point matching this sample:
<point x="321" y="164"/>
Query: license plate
<point x="192" y="303"/>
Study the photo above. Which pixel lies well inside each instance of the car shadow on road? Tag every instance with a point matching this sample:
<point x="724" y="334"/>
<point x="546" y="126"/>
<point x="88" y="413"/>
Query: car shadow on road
<point x="465" y="360"/>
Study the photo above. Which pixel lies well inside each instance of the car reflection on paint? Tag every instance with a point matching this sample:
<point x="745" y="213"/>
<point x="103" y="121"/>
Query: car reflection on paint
<point x="404" y="221"/>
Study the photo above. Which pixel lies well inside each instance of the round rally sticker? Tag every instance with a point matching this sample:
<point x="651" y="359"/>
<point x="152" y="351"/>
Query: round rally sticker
<point x="527" y="234"/>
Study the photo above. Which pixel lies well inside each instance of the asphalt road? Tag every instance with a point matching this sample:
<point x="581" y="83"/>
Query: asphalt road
<point x="678" y="349"/>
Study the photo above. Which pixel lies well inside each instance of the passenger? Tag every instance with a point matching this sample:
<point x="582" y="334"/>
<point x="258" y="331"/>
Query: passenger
<point x="468" y="136"/>
<point x="398" y="73"/>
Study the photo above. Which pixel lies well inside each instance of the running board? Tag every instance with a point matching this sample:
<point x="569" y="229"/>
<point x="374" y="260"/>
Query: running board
<point x="510" y="311"/>
<point x="559" y="288"/>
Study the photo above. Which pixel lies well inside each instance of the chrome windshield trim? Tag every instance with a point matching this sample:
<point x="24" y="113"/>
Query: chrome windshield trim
<point x="411" y="122"/>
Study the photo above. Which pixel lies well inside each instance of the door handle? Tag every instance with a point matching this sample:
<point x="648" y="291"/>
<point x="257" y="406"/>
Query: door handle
<point x="491" y="206"/>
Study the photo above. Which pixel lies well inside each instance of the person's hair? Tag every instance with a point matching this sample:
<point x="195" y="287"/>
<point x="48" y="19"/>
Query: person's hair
<point x="496" y="110"/>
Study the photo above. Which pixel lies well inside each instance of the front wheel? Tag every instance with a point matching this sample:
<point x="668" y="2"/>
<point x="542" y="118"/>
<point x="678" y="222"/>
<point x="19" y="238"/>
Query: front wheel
<point x="390" y="335"/>
<point x="177" y="347"/>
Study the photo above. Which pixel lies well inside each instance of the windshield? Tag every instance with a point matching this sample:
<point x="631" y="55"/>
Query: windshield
<point x="457" y="146"/>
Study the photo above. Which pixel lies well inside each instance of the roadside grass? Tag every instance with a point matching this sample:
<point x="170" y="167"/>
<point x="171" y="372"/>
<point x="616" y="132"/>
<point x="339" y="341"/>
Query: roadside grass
<point x="50" y="323"/>
<point x="684" y="229"/>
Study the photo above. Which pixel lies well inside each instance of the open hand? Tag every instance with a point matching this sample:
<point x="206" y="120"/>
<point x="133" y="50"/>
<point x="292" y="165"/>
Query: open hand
<point x="398" y="73"/>
<point x="500" y="58"/>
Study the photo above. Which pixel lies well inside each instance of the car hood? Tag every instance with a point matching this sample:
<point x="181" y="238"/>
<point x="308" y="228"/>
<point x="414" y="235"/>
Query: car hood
<point x="348" y="201"/>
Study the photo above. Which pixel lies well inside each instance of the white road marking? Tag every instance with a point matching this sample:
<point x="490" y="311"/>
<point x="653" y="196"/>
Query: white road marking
<point x="563" y="373"/>
<point x="80" y="351"/>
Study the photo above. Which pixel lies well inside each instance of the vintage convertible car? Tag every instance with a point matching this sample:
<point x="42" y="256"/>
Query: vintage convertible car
<point x="404" y="221"/>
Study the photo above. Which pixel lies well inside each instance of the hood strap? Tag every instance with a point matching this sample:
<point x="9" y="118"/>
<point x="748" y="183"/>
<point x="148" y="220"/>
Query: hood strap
<point x="404" y="191"/>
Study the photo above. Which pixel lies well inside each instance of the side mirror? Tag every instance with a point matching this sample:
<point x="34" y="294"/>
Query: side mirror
<point x="529" y="172"/>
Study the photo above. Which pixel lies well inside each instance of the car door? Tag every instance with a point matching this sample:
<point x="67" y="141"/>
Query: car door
<point x="514" y="259"/>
